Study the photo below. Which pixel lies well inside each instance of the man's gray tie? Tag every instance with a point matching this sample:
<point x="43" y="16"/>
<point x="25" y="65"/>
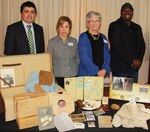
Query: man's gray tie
<point x="30" y="40"/>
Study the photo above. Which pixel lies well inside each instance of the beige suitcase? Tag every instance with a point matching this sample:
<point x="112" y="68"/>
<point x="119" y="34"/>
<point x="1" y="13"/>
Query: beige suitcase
<point x="23" y="66"/>
<point x="27" y="122"/>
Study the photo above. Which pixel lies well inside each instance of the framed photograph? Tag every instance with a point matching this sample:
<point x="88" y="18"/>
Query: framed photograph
<point x="45" y="118"/>
<point x="8" y="75"/>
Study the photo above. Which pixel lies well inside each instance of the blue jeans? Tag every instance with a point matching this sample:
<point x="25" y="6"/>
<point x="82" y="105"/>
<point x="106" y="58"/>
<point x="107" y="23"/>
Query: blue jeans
<point x="132" y="73"/>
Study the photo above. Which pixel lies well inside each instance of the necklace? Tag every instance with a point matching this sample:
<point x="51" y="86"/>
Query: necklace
<point x="95" y="37"/>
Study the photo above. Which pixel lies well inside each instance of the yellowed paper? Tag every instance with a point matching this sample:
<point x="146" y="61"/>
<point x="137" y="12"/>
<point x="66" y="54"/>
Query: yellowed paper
<point x="87" y="87"/>
<point x="104" y="121"/>
<point x="93" y="88"/>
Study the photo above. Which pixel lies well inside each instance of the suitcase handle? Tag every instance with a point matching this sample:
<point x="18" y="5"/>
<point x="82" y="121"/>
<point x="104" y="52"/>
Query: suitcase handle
<point x="16" y="64"/>
<point x="60" y="92"/>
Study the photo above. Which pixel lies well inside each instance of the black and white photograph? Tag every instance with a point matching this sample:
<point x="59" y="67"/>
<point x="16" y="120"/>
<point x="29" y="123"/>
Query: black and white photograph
<point x="90" y="117"/>
<point x="45" y="117"/>
<point x="122" y="83"/>
<point x="9" y="76"/>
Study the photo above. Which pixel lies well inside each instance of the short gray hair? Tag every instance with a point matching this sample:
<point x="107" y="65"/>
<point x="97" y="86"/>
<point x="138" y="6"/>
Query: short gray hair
<point x="93" y="13"/>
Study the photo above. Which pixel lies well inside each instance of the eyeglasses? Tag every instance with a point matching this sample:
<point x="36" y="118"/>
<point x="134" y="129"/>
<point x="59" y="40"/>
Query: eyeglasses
<point x="97" y="21"/>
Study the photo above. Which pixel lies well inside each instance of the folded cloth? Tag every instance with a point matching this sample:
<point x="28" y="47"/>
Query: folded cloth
<point x="34" y="79"/>
<point x="132" y="115"/>
<point x="38" y="88"/>
<point x="45" y="78"/>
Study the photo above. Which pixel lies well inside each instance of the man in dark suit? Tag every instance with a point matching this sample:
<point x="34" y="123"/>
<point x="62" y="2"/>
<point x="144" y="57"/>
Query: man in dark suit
<point x="16" y="40"/>
<point x="127" y="46"/>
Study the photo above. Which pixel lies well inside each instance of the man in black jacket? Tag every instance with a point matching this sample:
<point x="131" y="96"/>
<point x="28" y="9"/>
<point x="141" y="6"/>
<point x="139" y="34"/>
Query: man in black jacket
<point x="127" y="46"/>
<point x="17" y="41"/>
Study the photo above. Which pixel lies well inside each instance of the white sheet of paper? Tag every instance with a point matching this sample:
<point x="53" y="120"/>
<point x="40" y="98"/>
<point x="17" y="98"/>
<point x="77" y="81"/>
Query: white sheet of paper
<point x="63" y="122"/>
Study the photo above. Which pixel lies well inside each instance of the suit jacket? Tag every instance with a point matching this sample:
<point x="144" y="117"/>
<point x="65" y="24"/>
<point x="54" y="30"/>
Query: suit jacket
<point x="122" y="50"/>
<point x="16" y="42"/>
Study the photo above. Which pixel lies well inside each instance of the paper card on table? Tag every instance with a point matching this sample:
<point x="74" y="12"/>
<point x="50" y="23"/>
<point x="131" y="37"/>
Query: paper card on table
<point x="63" y="122"/>
<point x="87" y="112"/>
<point x="45" y="118"/>
<point x="90" y="117"/>
<point x="104" y="121"/>
<point x="79" y="125"/>
<point x="78" y="117"/>
<point x="105" y="100"/>
<point x="91" y="124"/>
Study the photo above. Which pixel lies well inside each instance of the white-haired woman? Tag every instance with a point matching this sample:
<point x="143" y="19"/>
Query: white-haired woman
<point x="93" y="48"/>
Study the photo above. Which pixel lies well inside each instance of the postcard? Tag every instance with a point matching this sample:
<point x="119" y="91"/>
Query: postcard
<point x="99" y="112"/>
<point x="90" y="117"/>
<point x="78" y="117"/>
<point x="91" y="124"/>
<point x="105" y="121"/>
<point x="105" y="100"/>
<point x="45" y="118"/>
<point x="79" y="125"/>
<point x="7" y="75"/>
<point x="87" y="112"/>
